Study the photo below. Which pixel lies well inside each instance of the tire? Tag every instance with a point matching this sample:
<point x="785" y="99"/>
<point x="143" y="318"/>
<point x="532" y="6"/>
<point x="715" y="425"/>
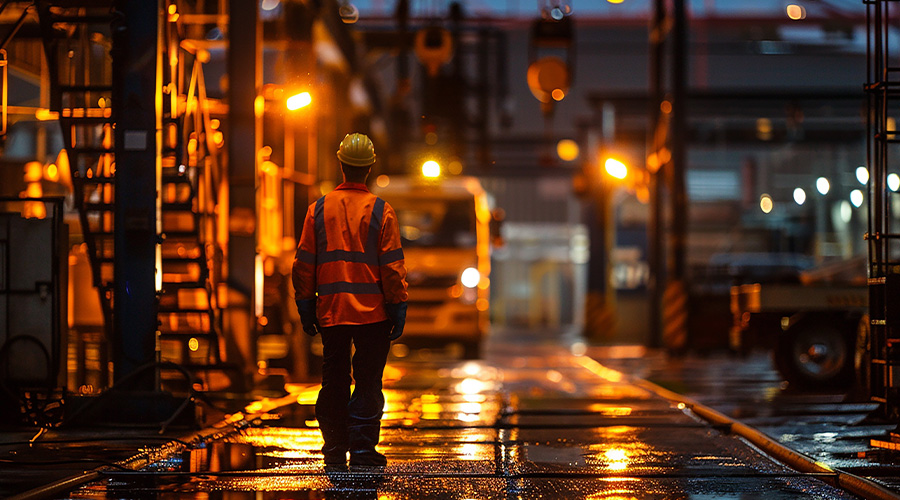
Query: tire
<point x="817" y="355"/>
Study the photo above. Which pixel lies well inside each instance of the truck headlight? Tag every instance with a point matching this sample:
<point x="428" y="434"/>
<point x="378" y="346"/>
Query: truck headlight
<point x="470" y="277"/>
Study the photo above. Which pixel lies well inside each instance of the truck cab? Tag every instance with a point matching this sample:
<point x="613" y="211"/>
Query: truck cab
<point x="445" y="232"/>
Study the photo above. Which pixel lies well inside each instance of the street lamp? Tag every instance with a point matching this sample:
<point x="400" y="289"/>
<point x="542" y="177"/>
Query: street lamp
<point x="298" y="101"/>
<point x="431" y="169"/>
<point x="615" y="168"/>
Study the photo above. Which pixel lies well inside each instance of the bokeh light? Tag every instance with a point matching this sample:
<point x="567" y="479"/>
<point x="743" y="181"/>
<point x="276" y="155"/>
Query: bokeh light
<point x="856" y="198"/>
<point x="862" y="174"/>
<point x="431" y="169"/>
<point x="893" y="182"/>
<point x="823" y="186"/>
<point x="766" y="204"/>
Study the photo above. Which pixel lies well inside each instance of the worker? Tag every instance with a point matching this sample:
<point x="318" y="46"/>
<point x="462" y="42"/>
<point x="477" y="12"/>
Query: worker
<point x="350" y="285"/>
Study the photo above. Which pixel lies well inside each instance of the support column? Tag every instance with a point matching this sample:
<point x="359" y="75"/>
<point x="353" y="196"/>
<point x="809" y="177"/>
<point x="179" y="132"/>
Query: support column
<point x="656" y="143"/>
<point x="137" y="101"/>
<point x="244" y="140"/>
<point x="675" y="299"/>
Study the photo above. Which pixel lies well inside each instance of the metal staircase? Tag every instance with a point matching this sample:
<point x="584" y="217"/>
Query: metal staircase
<point x="77" y="38"/>
<point x="883" y="145"/>
<point x="80" y="92"/>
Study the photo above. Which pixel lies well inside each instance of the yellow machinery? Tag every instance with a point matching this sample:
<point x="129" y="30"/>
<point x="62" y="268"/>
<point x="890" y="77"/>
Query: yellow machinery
<point x="445" y="228"/>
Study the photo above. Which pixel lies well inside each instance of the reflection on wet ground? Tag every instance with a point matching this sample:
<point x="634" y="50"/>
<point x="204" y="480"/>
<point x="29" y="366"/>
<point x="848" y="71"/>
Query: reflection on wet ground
<point x="832" y="427"/>
<point x="526" y="422"/>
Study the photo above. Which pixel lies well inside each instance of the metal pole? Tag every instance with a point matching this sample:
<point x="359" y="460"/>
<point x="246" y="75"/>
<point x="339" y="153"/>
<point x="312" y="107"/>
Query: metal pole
<point x="655" y="227"/>
<point x="244" y="65"/>
<point x="137" y="94"/>
<point x="679" y="136"/>
<point x="675" y="300"/>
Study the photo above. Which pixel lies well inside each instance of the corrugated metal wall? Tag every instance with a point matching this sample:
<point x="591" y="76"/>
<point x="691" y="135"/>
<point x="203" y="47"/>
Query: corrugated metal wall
<point x="546" y="198"/>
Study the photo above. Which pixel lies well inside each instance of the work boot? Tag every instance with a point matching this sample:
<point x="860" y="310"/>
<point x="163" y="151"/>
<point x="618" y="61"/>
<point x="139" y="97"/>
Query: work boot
<point x="367" y="457"/>
<point x="334" y="456"/>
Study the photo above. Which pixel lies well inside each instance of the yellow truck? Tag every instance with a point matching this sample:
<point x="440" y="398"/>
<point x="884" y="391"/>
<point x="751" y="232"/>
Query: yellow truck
<point x="445" y="226"/>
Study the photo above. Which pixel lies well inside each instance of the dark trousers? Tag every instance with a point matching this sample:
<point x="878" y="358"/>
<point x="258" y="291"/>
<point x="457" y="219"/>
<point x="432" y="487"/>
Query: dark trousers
<point x="352" y="422"/>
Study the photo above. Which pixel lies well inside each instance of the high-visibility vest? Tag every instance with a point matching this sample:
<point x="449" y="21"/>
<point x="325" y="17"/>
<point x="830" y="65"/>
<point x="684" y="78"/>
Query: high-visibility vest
<point x="349" y="257"/>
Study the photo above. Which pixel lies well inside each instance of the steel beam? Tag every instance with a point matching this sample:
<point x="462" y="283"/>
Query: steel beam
<point x="244" y="139"/>
<point x="137" y="98"/>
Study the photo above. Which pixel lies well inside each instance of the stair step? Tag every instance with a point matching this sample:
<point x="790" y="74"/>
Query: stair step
<point x="174" y="287"/>
<point x="188" y="278"/>
<point x="89" y="150"/>
<point x="70" y="121"/>
<point x="176" y="309"/>
<point x="180" y="206"/>
<point x="80" y="19"/>
<point x="82" y="112"/>
<point x="186" y="336"/>
<point x="85" y="88"/>
<point x="98" y="206"/>
<point x="176" y="179"/>
<point x="180" y="260"/>
<point x="98" y="179"/>
<point x="180" y="234"/>
<point x="188" y="331"/>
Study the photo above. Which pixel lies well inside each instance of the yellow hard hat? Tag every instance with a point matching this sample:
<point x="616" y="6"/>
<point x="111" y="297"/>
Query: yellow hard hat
<point x="357" y="150"/>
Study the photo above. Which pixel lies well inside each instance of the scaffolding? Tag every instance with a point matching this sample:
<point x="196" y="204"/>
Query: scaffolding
<point x="879" y="340"/>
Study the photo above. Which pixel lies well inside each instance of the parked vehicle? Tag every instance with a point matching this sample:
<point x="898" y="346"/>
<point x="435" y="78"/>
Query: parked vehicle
<point x="445" y="226"/>
<point x="810" y="325"/>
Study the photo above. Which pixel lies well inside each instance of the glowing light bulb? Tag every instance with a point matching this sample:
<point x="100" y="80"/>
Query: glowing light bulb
<point x="823" y="186"/>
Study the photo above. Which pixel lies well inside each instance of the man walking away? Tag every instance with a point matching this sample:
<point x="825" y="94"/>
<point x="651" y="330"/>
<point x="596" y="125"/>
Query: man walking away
<point x="349" y="280"/>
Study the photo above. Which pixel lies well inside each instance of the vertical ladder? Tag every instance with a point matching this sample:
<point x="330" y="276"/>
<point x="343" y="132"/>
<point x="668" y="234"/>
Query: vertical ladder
<point x="77" y="44"/>
<point x="883" y="145"/>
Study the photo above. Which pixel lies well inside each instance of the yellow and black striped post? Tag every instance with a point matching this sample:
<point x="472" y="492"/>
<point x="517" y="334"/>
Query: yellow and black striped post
<point x="675" y="316"/>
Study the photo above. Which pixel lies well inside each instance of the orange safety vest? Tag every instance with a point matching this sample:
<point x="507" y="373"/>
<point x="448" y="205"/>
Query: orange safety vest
<point x="349" y="257"/>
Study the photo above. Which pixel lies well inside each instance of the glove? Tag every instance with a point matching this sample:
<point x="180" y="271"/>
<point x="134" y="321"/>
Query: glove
<point x="397" y="314"/>
<point x="307" y="310"/>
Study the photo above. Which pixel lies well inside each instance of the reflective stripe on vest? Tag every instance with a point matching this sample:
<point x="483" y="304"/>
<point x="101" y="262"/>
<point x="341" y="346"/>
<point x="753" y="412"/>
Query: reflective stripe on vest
<point x="368" y="256"/>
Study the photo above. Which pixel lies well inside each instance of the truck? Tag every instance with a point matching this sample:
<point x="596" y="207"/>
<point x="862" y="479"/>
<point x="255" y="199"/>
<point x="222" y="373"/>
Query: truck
<point x="811" y="325"/>
<point x="446" y="232"/>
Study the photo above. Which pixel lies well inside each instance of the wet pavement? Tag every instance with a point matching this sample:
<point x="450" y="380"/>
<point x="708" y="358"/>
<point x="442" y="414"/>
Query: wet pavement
<point x="833" y="427"/>
<point x="531" y="420"/>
